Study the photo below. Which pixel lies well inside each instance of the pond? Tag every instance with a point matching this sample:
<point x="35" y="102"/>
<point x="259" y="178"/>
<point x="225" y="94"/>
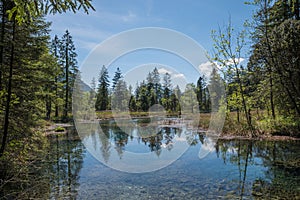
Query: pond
<point x="232" y="169"/>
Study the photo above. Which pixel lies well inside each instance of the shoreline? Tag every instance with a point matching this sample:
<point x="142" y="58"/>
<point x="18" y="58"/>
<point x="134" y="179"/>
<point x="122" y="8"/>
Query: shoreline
<point x="259" y="138"/>
<point x="50" y="130"/>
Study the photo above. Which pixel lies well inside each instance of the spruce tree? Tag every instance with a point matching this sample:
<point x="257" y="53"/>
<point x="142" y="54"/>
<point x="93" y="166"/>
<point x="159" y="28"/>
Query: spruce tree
<point x="68" y="59"/>
<point x="118" y="75"/>
<point x="28" y="70"/>
<point x="167" y="85"/>
<point x="156" y="85"/>
<point x="102" y="98"/>
<point x="58" y="79"/>
<point x="120" y="96"/>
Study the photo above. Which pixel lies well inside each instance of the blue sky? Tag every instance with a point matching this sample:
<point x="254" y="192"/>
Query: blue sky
<point x="194" y="18"/>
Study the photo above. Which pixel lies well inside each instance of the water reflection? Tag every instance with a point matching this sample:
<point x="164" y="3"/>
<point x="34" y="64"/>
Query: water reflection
<point x="66" y="157"/>
<point x="134" y="146"/>
<point x="238" y="169"/>
<point x="281" y="159"/>
<point x="111" y="135"/>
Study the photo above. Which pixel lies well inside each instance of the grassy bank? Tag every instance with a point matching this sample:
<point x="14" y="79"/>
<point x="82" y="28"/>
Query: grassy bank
<point x="105" y="115"/>
<point x="263" y="125"/>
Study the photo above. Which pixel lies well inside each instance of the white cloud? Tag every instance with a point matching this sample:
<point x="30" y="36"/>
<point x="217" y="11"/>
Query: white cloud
<point x="164" y="71"/>
<point x="173" y="74"/>
<point x="206" y="68"/>
<point x="178" y="76"/>
<point x="237" y="61"/>
<point x="206" y="148"/>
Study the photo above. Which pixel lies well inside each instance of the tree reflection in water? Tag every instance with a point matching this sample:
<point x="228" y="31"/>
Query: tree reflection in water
<point x="152" y="137"/>
<point x="279" y="162"/>
<point x="66" y="155"/>
<point x="282" y="160"/>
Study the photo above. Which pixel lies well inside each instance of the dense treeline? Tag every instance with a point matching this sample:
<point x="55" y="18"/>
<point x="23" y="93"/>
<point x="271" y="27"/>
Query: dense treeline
<point x="260" y="68"/>
<point x="154" y="90"/>
<point x="34" y="73"/>
<point x="275" y="56"/>
<point x="269" y="82"/>
<point x="36" y="76"/>
<point x="35" y="80"/>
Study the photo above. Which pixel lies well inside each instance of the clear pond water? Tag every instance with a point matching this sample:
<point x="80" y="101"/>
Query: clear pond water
<point x="235" y="169"/>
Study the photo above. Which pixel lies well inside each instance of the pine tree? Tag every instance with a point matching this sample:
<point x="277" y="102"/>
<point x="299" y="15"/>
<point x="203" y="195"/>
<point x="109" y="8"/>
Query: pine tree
<point x="132" y="101"/>
<point x="188" y="100"/>
<point x="142" y="97"/>
<point x="118" y="75"/>
<point x="69" y="61"/>
<point x="167" y="85"/>
<point x="58" y="79"/>
<point x="102" y="100"/>
<point x="166" y="91"/>
<point x="132" y="104"/>
<point x="202" y="94"/>
<point x="120" y="96"/>
<point x="156" y="85"/>
<point x="28" y="70"/>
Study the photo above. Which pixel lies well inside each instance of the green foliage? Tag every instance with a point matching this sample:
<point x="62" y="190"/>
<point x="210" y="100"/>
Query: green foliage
<point x="288" y="126"/>
<point x="21" y="161"/>
<point x="27" y="10"/>
<point x="102" y="99"/>
<point x="28" y="66"/>
<point x="118" y="75"/>
<point x="188" y="100"/>
<point x="30" y="82"/>
<point x="68" y="59"/>
<point x="274" y="60"/>
<point x="120" y="96"/>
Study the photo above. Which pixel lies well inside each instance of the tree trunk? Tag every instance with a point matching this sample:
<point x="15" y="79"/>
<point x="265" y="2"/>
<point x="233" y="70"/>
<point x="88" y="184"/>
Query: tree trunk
<point x="69" y="165"/>
<point x="249" y="151"/>
<point x="237" y="111"/>
<point x="56" y="96"/>
<point x="67" y="82"/>
<point x="9" y="92"/>
<point x="244" y="101"/>
<point x="271" y="96"/>
<point x="266" y="23"/>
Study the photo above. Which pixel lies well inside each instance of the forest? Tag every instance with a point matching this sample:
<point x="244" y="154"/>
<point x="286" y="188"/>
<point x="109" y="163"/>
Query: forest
<point x="262" y="95"/>
<point x="155" y="89"/>
<point x="37" y="74"/>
